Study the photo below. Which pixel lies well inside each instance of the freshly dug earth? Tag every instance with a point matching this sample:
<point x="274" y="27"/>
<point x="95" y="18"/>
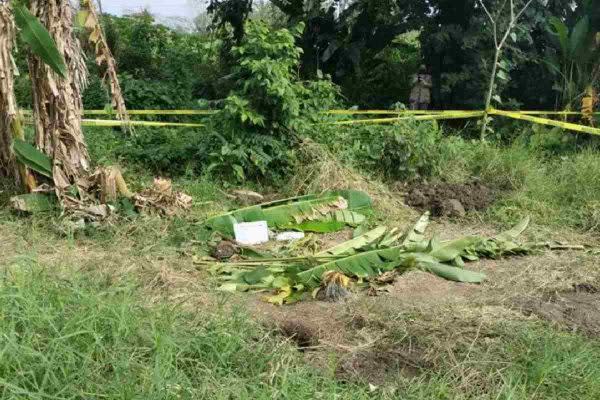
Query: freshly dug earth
<point x="450" y="200"/>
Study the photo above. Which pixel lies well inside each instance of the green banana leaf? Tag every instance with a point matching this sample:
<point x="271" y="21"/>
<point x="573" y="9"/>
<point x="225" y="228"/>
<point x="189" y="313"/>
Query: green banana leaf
<point x="295" y="211"/>
<point x="514" y="232"/>
<point x="451" y="273"/>
<point x="448" y="251"/>
<point x="562" y="32"/>
<point x="361" y="265"/>
<point x="501" y="245"/>
<point x="318" y="226"/>
<point x="357" y="199"/>
<point x="32" y="158"/>
<point x="353" y="246"/>
<point x="417" y="233"/>
<point x="579" y="37"/>
<point x="38" y="38"/>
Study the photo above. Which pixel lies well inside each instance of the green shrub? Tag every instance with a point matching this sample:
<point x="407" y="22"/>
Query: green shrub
<point x="385" y="77"/>
<point x="23" y="91"/>
<point x="407" y="150"/>
<point x="169" y="151"/>
<point x="95" y="97"/>
<point x="154" y="94"/>
<point x="259" y="124"/>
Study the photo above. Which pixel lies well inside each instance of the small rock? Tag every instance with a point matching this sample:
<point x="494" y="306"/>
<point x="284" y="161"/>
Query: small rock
<point x="224" y="250"/>
<point x="454" y="208"/>
<point x="248" y="197"/>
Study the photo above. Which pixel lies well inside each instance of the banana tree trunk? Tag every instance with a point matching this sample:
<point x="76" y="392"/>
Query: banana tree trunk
<point x="57" y="104"/>
<point x="10" y="125"/>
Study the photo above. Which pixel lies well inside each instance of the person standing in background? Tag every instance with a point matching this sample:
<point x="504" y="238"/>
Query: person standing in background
<point x="420" y="95"/>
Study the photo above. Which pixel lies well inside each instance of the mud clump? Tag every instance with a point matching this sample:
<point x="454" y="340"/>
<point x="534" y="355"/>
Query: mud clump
<point x="577" y="310"/>
<point x="450" y="200"/>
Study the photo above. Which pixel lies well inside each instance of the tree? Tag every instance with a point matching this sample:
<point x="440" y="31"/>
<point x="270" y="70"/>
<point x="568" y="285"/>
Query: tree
<point x="576" y="61"/>
<point x="57" y="104"/>
<point x="10" y="126"/>
<point x="499" y="42"/>
<point x="231" y="12"/>
<point x="104" y="57"/>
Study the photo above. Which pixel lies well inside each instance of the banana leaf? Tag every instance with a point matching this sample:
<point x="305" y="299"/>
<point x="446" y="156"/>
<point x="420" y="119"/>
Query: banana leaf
<point x="317" y="226"/>
<point x="296" y="210"/>
<point x="448" y="251"/>
<point x="353" y="246"/>
<point x="347" y="217"/>
<point x="515" y="231"/>
<point x="357" y="199"/>
<point x="451" y="273"/>
<point x="501" y="245"/>
<point x="362" y="265"/>
<point x="417" y="233"/>
<point x="32" y="158"/>
<point x="38" y="38"/>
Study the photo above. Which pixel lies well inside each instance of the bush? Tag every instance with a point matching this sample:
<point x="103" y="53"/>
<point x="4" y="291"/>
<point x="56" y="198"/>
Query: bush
<point x="96" y="96"/>
<point x="259" y="124"/>
<point x="167" y="151"/>
<point x="154" y="94"/>
<point x="405" y="151"/>
<point x="385" y="78"/>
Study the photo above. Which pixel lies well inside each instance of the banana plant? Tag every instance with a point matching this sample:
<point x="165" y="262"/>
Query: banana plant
<point x="38" y="38"/>
<point x="577" y="61"/>
<point x="39" y="41"/>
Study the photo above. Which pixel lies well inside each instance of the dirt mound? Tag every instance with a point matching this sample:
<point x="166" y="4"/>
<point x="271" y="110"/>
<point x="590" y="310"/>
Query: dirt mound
<point x="577" y="310"/>
<point x="450" y="200"/>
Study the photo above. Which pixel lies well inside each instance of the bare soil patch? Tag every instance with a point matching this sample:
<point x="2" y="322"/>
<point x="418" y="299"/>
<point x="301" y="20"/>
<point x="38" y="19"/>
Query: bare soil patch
<point x="450" y="200"/>
<point x="577" y="310"/>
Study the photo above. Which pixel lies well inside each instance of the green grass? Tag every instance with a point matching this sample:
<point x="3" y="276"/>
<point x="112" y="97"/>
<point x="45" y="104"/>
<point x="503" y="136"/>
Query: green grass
<point x="72" y="333"/>
<point x="550" y="365"/>
<point x="66" y="336"/>
<point x="558" y="188"/>
<point x="80" y="338"/>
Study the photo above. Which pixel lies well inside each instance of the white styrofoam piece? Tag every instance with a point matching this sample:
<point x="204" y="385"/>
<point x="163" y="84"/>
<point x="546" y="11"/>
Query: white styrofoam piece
<point x="251" y="233"/>
<point x="288" y="236"/>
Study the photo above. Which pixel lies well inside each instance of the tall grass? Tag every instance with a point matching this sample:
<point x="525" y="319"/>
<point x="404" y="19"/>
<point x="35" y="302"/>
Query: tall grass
<point x="78" y="338"/>
<point x="560" y="187"/>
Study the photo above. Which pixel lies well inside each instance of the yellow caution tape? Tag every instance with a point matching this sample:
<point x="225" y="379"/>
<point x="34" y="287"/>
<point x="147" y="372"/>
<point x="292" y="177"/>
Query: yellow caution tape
<point x="417" y="115"/>
<point x="546" y="121"/>
<point x="447" y="115"/>
<point x="144" y="112"/>
<point x="110" y="122"/>
<point x="329" y="112"/>
<point x="396" y="112"/>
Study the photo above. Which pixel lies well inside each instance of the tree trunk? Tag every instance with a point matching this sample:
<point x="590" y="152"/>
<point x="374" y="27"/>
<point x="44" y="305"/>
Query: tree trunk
<point x="488" y="99"/>
<point x="57" y="104"/>
<point x="10" y="125"/>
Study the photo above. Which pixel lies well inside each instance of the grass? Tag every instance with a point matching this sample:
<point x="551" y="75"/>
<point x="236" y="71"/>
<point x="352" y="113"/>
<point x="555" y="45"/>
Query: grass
<point x="106" y="312"/>
<point x="77" y="337"/>
<point x="66" y="335"/>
